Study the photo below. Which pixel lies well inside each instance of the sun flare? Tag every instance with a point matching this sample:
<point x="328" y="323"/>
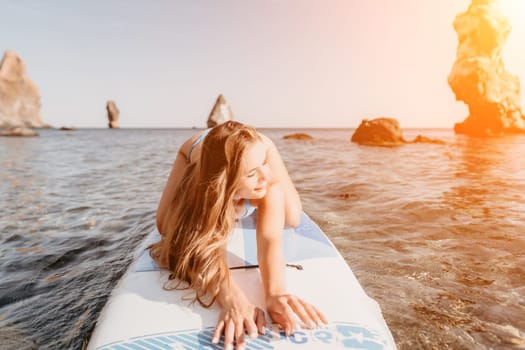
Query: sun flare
<point x="513" y="8"/>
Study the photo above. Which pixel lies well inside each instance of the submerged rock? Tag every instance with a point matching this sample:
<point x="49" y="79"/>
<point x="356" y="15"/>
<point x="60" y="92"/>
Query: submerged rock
<point x="220" y="113"/>
<point x="18" y="131"/>
<point x="113" y="115"/>
<point x="478" y="76"/>
<point x="379" y="132"/>
<point x="298" y="136"/>
<point x="424" y="139"/>
<point x="19" y="97"/>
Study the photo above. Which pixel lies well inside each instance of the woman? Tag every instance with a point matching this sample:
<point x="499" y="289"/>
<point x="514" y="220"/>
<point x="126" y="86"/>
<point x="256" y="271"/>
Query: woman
<point x="220" y="175"/>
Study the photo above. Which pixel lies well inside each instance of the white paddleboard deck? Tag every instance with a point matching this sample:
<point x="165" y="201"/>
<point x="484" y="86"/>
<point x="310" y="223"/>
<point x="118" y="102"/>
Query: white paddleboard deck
<point x="140" y="314"/>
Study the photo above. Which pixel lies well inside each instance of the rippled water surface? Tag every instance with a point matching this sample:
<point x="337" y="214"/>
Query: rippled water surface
<point x="435" y="233"/>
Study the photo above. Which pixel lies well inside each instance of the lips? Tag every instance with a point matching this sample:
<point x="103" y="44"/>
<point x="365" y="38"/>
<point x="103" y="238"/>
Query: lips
<point x="259" y="189"/>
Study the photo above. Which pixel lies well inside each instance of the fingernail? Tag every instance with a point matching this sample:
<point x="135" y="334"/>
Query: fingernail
<point x="253" y="335"/>
<point x="214" y="340"/>
<point x="312" y="324"/>
<point x="229" y="347"/>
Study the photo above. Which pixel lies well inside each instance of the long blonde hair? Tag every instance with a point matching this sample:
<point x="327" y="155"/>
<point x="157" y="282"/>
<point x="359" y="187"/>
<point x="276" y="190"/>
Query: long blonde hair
<point x="202" y="213"/>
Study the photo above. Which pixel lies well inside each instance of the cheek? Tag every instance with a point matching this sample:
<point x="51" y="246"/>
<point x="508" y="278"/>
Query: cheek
<point x="250" y="183"/>
<point x="246" y="186"/>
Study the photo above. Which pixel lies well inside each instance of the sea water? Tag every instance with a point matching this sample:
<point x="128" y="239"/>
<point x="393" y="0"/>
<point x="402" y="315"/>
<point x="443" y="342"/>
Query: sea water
<point x="434" y="232"/>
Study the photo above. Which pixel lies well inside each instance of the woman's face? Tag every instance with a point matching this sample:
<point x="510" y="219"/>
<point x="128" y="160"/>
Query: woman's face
<point x="255" y="173"/>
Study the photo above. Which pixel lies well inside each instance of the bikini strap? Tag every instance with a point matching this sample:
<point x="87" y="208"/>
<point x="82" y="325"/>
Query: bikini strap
<point x="249" y="208"/>
<point x="197" y="141"/>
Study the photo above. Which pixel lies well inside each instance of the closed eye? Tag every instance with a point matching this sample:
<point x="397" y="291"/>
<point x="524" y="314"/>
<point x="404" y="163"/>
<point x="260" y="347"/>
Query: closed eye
<point x="254" y="170"/>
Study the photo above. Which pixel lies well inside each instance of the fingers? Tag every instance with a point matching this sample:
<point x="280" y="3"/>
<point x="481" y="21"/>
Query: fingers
<point x="300" y="309"/>
<point x="260" y="320"/>
<point x="239" y="335"/>
<point x="319" y="315"/>
<point x="234" y="330"/>
<point x="293" y="312"/>
<point x="229" y="334"/>
<point x="250" y="325"/>
<point x="316" y="317"/>
<point x="217" y="333"/>
<point x="290" y="323"/>
<point x="308" y="313"/>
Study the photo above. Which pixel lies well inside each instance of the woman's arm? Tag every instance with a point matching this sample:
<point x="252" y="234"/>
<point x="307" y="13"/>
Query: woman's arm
<point x="292" y="201"/>
<point x="177" y="171"/>
<point x="237" y="316"/>
<point x="281" y="307"/>
<point x="176" y="174"/>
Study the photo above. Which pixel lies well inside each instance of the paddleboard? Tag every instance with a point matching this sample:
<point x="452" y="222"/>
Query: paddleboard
<point x="140" y="314"/>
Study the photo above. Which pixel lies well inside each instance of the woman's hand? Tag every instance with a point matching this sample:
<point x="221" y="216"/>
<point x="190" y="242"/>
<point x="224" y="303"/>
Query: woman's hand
<point x="238" y="316"/>
<point x="289" y="312"/>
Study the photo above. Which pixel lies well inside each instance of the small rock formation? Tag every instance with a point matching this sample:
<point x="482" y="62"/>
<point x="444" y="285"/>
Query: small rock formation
<point x="478" y="76"/>
<point x="298" y="136"/>
<point x="385" y="132"/>
<point x="220" y="113"/>
<point x="379" y="132"/>
<point x="19" y="98"/>
<point x="113" y="115"/>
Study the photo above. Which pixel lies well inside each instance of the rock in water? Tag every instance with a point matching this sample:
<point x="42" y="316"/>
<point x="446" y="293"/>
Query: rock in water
<point x="478" y="76"/>
<point x="379" y="132"/>
<point x="220" y="113"/>
<point x="113" y="115"/>
<point x="424" y="139"/>
<point x="298" y="136"/>
<point x="19" y="96"/>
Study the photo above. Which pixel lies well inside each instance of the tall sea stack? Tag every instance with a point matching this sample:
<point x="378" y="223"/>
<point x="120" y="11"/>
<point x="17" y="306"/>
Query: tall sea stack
<point x="478" y="76"/>
<point x="220" y="113"/>
<point x="113" y="115"/>
<point x="19" y="96"/>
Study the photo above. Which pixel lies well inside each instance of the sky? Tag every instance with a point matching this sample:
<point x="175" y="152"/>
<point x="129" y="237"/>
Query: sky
<point x="287" y="63"/>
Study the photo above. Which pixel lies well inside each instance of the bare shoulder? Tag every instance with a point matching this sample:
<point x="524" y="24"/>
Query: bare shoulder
<point x="185" y="148"/>
<point x="265" y="139"/>
<point x="269" y="144"/>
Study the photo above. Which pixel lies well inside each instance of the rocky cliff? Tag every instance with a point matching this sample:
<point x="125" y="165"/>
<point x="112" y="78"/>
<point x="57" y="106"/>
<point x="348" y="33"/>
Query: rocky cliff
<point x="478" y="76"/>
<point x="220" y="113"/>
<point x="19" y="96"/>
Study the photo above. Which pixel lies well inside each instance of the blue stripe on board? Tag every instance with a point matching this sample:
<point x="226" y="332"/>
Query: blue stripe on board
<point x="348" y="335"/>
<point x="158" y="343"/>
<point x="166" y="340"/>
<point x="119" y="347"/>
<point x="209" y="333"/>
<point x="250" y="344"/>
<point x="147" y="345"/>
<point x="204" y="339"/>
<point x="181" y="341"/>
<point x="189" y="341"/>
<point x="131" y="346"/>
<point x="263" y="341"/>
